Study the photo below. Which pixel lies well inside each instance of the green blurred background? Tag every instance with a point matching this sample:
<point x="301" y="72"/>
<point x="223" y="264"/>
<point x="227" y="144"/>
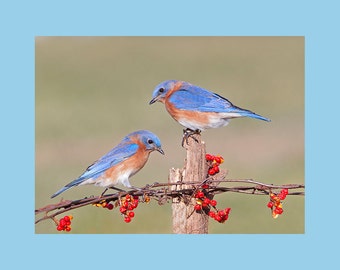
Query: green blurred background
<point x="92" y="91"/>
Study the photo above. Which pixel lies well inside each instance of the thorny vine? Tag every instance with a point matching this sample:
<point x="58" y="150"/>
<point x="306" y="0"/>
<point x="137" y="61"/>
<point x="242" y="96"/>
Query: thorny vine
<point x="165" y="192"/>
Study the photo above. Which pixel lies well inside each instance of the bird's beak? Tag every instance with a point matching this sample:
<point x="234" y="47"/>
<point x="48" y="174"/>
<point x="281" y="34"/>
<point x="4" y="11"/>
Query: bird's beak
<point x="160" y="150"/>
<point x="153" y="100"/>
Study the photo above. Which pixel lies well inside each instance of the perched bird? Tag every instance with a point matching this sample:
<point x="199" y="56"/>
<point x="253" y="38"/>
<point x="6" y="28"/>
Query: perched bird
<point x="196" y="108"/>
<point x="122" y="162"/>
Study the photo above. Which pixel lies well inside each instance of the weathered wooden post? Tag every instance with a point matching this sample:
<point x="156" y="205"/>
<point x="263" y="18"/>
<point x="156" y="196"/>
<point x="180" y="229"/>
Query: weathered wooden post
<point x="184" y="218"/>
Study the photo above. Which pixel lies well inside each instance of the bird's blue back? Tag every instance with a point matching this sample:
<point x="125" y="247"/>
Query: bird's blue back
<point x="198" y="99"/>
<point x="194" y="98"/>
<point x="118" y="154"/>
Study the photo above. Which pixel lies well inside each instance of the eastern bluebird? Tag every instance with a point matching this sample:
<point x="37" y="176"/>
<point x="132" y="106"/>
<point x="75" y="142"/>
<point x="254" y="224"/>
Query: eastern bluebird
<point x="122" y="162"/>
<point x="196" y="108"/>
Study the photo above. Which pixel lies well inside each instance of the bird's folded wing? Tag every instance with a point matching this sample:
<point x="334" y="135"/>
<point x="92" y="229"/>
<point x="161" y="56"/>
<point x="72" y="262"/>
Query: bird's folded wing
<point x="199" y="99"/>
<point x="118" y="154"/>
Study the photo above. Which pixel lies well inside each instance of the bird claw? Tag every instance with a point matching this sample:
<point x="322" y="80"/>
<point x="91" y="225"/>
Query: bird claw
<point x="188" y="133"/>
<point x="118" y="189"/>
<point x="115" y="188"/>
<point x="101" y="195"/>
<point x="136" y="188"/>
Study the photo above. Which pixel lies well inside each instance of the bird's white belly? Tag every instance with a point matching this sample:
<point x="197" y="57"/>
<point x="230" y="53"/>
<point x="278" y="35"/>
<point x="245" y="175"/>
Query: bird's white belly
<point x="214" y="121"/>
<point x="121" y="178"/>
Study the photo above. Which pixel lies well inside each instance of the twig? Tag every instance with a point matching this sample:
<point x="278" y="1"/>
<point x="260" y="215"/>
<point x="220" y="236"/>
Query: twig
<point x="162" y="193"/>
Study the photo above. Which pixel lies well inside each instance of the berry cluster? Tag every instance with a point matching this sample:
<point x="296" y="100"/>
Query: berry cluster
<point x="203" y="203"/>
<point x="214" y="162"/>
<point x="64" y="224"/>
<point x="220" y="215"/>
<point x="275" y="202"/>
<point x="104" y="204"/>
<point x="127" y="204"/>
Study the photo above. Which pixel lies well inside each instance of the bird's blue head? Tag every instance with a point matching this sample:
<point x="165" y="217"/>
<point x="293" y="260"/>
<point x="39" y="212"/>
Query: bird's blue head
<point x="150" y="140"/>
<point x="162" y="89"/>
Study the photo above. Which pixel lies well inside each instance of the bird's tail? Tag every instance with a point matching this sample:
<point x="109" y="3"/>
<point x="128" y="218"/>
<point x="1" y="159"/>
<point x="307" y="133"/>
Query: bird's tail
<point x="247" y="113"/>
<point x="68" y="186"/>
<point x="60" y="191"/>
<point x="257" y="116"/>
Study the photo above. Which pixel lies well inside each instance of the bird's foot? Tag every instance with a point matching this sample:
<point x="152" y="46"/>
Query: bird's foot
<point x="188" y="133"/>
<point x="101" y="195"/>
<point x="136" y="188"/>
<point x="115" y="188"/>
<point x="118" y="189"/>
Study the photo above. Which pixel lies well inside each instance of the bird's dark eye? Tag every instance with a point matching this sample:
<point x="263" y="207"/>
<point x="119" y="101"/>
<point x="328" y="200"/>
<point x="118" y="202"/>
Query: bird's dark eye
<point x="150" y="141"/>
<point x="161" y="90"/>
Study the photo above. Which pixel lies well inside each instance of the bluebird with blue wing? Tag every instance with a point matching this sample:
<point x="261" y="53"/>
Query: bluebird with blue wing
<point x="196" y="108"/>
<point x="122" y="162"/>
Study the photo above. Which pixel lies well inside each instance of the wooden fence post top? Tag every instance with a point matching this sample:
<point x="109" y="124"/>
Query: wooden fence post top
<point x="185" y="219"/>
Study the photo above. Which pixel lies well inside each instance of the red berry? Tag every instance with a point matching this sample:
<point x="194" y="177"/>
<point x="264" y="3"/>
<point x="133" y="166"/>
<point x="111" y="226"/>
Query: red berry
<point x="67" y="218"/>
<point x="128" y="197"/>
<point x="209" y="157"/>
<point x="206" y="201"/>
<point x="217" y="159"/>
<point x="127" y="219"/>
<point x="270" y="205"/>
<point x="205" y="186"/>
<point x="216" y="169"/>
<point x="282" y="196"/>
<point x="68" y="228"/>
<point x="211" y="171"/>
<point x="134" y="204"/>
<point x="125" y="204"/>
<point x="212" y="214"/>
<point x="278" y="210"/>
<point x="109" y="206"/>
<point x="227" y="210"/>
<point x="122" y="209"/>
<point x="62" y="222"/>
<point x="198" y="207"/>
<point x="205" y="205"/>
<point x="285" y="191"/>
<point x="60" y="228"/>
<point x="131" y="214"/>
<point x="221" y="213"/>
<point x="218" y="218"/>
<point x="225" y="218"/>
<point x="213" y="202"/>
<point x="200" y="194"/>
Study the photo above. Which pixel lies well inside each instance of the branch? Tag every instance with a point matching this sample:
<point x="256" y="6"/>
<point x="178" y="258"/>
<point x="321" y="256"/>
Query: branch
<point x="165" y="192"/>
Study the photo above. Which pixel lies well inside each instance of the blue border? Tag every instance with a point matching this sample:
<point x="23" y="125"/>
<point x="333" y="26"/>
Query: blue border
<point x="21" y="21"/>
